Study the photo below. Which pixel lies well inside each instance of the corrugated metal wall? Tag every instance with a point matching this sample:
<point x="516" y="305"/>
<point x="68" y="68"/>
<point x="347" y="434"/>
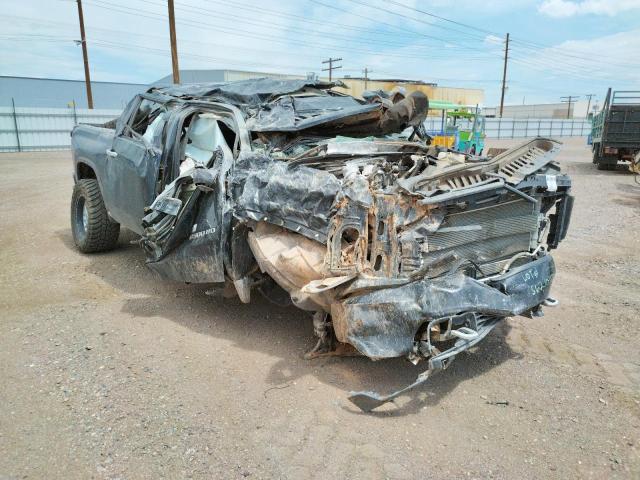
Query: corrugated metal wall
<point x="44" y="128"/>
<point x="48" y="92"/>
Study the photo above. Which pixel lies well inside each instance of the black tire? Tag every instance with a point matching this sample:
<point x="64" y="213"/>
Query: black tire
<point x="93" y="230"/>
<point x="606" y="166"/>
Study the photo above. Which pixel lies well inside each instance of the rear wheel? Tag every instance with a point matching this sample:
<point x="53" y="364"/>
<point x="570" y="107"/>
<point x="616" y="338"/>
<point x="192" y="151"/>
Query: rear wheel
<point x="595" y="148"/>
<point x="607" y="166"/>
<point x="93" y="230"/>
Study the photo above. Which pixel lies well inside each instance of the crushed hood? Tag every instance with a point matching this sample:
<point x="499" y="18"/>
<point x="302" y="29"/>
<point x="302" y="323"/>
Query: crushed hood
<point x="300" y="105"/>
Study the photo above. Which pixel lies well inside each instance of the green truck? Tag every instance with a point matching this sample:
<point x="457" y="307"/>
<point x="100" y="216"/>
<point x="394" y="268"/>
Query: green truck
<point x="615" y="130"/>
<point x="462" y="128"/>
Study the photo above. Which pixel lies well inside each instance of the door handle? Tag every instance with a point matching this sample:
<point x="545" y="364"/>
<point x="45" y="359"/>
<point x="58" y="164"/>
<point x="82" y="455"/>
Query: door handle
<point x="111" y="153"/>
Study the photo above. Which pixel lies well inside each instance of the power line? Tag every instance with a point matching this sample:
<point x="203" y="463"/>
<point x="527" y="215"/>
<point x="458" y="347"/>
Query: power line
<point x="305" y="31"/>
<point x="380" y="22"/>
<point x="440" y="18"/>
<point x="553" y="56"/>
<point x="174" y="46"/>
<point x="85" y="56"/>
<point x="120" y="33"/>
<point x="504" y="74"/>
<point x="563" y="52"/>
<point x="391" y="12"/>
<point x="519" y="55"/>
<point x="589" y="96"/>
<point x="366" y="72"/>
<point x="200" y="43"/>
<point x="542" y="66"/>
<point x="96" y="40"/>
<point x="578" y="70"/>
<point x="568" y="100"/>
<point x="299" y="18"/>
<point x="331" y="68"/>
<point x="245" y="33"/>
<point x="525" y="43"/>
<point x="165" y="53"/>
<point x="110" y="44"/>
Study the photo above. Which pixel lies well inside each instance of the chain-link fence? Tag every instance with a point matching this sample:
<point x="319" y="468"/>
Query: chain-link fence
<point x="31" y="129"/>
<point x="25" y="129"/>
<point x="527" y="127"/>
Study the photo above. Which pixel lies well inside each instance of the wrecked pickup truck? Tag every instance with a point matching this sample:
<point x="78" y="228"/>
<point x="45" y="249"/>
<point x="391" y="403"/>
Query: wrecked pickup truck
<point x="335" y="204"/>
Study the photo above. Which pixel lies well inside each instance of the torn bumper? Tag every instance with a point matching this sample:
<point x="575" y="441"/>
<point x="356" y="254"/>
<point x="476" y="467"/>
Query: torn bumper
<point x="384" y="323"/>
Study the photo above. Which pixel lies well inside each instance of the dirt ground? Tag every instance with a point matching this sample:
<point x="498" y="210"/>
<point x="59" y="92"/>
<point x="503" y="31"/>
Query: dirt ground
<point x="110" y="372"/>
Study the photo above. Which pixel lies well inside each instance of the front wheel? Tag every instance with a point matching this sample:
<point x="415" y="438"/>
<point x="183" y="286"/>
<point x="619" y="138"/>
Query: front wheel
<point x="93" y="230"/>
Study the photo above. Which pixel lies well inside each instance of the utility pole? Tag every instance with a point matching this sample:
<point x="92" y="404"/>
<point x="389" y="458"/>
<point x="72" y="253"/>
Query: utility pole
<point x="174" y="46"/>
<point x="589" y="96"/>
<point x="504" y="74"/>
<point x="331" y="68"/>
<point x="569" y="100"/>
<point x="366" y="77"/>
<point x="85" y="56"/>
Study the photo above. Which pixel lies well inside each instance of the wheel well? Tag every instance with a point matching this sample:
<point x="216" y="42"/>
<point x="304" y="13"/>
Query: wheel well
<point x="85" y="171"/>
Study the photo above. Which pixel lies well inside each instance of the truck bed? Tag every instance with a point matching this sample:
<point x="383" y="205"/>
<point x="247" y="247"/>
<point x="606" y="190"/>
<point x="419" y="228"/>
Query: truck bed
<point x="618" y="124"/>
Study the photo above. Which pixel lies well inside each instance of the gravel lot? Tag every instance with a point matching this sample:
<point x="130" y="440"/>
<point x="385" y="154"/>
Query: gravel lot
<point x="109" y="372"/>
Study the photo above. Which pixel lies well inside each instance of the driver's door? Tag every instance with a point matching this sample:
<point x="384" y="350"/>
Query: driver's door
<point x="132" y="170"/>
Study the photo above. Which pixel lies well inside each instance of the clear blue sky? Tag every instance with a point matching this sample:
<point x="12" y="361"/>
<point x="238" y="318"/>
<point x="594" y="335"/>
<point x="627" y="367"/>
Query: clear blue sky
<point x="558" y="47"/>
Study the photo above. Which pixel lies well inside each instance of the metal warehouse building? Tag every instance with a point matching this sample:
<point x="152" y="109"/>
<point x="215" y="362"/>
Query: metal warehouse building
<point x="545" y="110"/>
<point x="46" y="109"/>
<point x="460" y="96"/>
<point x="56" y="93"/>
<point x="205" y="76"/>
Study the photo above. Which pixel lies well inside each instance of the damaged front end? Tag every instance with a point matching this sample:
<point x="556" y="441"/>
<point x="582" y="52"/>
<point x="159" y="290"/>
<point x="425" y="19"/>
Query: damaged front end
<point x="399" y="248"/>
<point x="410" y="254"/>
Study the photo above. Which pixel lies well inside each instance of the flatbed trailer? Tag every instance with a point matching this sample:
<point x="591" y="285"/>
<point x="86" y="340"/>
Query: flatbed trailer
<point x="615" y="129"/>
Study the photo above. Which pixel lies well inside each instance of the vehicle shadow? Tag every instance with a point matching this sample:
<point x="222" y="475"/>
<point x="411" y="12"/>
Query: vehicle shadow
<point x="629" y="194"/>
<point x="573" y="167"/>
<point x="285" y="333"/>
